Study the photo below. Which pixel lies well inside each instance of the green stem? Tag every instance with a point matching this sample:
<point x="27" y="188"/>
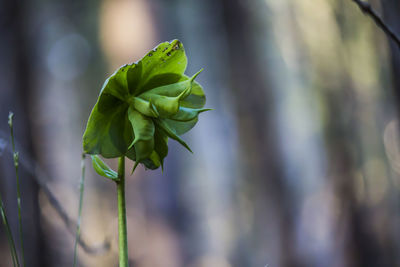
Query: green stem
<point x="19" y="209"/>
<point x="78" y="224"/>
<point x="123" y="237"/>
<point x="16" y="164"/>
<point x="10" y="238"/>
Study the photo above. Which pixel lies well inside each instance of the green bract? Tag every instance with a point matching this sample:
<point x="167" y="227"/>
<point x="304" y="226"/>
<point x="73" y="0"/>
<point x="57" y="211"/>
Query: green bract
<point x="142" y="104"/>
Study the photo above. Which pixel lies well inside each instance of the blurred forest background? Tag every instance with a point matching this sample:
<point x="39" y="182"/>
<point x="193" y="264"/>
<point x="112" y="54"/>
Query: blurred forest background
<point x="298" y="164"/>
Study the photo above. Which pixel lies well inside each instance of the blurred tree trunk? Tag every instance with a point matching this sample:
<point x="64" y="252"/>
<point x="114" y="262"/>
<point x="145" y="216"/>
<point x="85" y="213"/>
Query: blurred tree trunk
<point x="357" y="241"/>
<point x="262" y="170"/>
<point x="391" y="10"/>
<point x="15" y="85"/>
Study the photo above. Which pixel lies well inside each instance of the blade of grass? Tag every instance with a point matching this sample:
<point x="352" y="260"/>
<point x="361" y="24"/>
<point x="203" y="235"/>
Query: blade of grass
<point x="16" y="163"/>
<point x="38" y="175"/>
<point x="10" y="238"/>
<point x="78" y="223"/>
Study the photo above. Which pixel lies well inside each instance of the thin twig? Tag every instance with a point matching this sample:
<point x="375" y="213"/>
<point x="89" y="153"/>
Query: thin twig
<point x="10" y="238"/>
<point x="40" y="177"/>
<point x="367" y="9"/>
<point x="16" y="164"/>
<point x="81" y="191"/>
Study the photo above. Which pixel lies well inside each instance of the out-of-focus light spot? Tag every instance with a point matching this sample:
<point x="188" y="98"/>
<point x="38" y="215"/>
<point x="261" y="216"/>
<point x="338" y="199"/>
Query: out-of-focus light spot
<point x="392" y="144"/>
<point x="69" y="56"/>
<point x="316" y="222"/>
<point x="158" y="243"/>
<point x="126" y="30"/>
<point x="376" y="180"/>
<point x="221" y="233"/>
<point x="211" y="261"/>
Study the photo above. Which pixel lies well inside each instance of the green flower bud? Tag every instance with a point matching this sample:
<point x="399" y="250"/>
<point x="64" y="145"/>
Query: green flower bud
<point x="143" y="104"/>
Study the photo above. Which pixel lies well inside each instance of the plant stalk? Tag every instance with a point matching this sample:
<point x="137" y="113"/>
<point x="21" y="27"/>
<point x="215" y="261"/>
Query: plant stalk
<point x="10" y="238"/>
<point x="16" y="164"/>
<point x="122" y="230"/>
<point x="78" y="223"/>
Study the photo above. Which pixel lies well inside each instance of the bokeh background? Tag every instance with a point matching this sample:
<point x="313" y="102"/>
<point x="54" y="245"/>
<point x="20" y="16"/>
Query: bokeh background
<point x="297" y="165"/>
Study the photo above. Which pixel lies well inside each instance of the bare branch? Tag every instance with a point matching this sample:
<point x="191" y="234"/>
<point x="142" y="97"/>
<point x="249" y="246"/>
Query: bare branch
<point x="367" y="9"/>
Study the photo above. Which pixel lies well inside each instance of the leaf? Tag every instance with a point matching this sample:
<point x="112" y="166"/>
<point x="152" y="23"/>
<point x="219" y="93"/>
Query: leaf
<point x="167" y="106"/>
<point x="133" y="76"/>
<point x="172" y="90"/>
<point x="181" y="127"/>
<point x="108" y="131"/>
<point x="167" y="98"/>
<point x="167" y="58"/>
<point x="196" y="99"/>
<point x="160" y="80"/>
<point x="103" y="169"/>
<point x="117" y="84"/>
<point x="153" y="161"/>
<point x="170" y="132"/>
<point x="188" y="114"/>
<point x="144" y="107"/>
<point x="161" y="145"/>
<point x="143" y="129"/>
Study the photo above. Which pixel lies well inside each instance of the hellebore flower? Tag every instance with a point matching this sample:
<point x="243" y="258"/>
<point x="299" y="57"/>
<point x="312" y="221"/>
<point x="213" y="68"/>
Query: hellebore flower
<point x="142" y="104"/>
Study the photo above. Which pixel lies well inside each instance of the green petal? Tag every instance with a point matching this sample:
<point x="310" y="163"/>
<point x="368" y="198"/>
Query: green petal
<point x="166" y="105"/>
<point x="172" y="90"/>
<point x="165" y="64"/>
<point x="131" y="153"/>
<point x="170" y="132"/>
<point x="133" y="76"/>
<point x="117" y="84"/>
<point x="166" y="58"/>
<point x="144" y="107"/>
<point x="156" y="158"/>
<point x="187" y="114"/>
<point x="167" y="98"/>
<point x="143" y="129"/>
<point x="160" y="80"/>
<point x="153" y="161"/>
<point x="196" y="99"/>
<point x="108" y="131"/>
<point x="181" y="127"/>
<point x="161" y="145"/>
<point x="184" y="120"/>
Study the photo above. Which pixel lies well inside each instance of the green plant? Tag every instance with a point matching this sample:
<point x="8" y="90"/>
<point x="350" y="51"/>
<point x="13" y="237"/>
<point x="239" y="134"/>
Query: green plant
<point x="4" y="217"/>
<point x="78" y="223"/>
<point x="139" y="107"/>
<point x="10" y="238"/>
